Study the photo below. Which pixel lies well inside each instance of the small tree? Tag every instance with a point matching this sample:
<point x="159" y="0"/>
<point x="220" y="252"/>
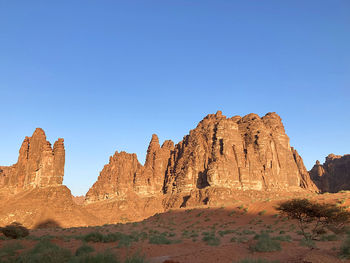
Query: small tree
<point x="321" y="215"/>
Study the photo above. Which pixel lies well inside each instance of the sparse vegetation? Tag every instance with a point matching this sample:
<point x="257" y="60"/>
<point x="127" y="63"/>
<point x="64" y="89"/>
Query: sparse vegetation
<point x="308" y="242"/>
<point x="45" y="251"/>
<point x="84" y="249"/>
<point x="15" y="230"/>
<point x="211" y="239"/>
<point x="105" y="257"/>
<point x="161" y="238"/>
<point x="136" y="258"/>
<point x="265" y="244"/>
<point x="9" y="250"/>
<point x="323" y="216"/>
<point x="345" y="248"/>
<point x="262" y="212"/>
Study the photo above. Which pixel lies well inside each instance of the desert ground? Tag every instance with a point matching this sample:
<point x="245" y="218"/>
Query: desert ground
<point x="204" y="234"/>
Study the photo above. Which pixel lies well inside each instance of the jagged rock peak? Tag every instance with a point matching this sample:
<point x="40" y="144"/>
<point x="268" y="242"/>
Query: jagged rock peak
<point x="124" y="177"/>
<point x="38" y="165"/>
<point x="237" y="153"/>
<point x="333" y="175"/>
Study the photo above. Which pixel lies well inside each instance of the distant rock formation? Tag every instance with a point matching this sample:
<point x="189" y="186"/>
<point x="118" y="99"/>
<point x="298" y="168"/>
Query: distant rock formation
<point x="222" y="159"/>
<point x="38" y="165"/>
<point x="333" y="175"/>
<point x="219" y="156"/>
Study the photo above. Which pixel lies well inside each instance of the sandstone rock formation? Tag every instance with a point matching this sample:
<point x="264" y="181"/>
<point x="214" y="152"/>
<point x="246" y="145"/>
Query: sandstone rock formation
<point x="125" y="176"/>
<point x="220" y="156"/>
<point x="38" y="165"/>
<point x="31" y="191"/>
<point x="333" y="175"/>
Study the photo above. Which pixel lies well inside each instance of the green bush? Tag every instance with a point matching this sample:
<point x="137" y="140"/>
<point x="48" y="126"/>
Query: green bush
<point x="84" y="249"/>
<point x="211" y="239"/>
<point x="159" y="239"/>
<point x="345" y="248"/>
<point x="9" y="250"/>
<point x="124" y="240"/>
<point x="105" y="257"/>
<point x="15" y="230"/>
<point x="329" y="238"/>
<point x="94" y="237"/>
<point x="265" y="244"/>
<point x="307" y="242"/>
<point x="136" y="258"/>
<point x="45" y="251"/>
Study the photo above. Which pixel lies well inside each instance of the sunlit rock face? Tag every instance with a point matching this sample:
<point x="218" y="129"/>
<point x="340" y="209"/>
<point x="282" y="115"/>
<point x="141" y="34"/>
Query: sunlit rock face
<point x="249" y="153"/>
<point x="333" y="175"/>
<point x="38" y="165"/>
<point x="125" y="177"/>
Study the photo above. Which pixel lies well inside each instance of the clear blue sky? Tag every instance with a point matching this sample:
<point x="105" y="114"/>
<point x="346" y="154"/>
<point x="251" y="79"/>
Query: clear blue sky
<point x="105" y="75"/>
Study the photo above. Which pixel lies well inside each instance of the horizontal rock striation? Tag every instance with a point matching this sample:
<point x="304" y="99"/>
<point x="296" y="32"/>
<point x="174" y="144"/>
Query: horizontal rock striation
<point x="333" y="175"/>
<point x="38" y="165"/>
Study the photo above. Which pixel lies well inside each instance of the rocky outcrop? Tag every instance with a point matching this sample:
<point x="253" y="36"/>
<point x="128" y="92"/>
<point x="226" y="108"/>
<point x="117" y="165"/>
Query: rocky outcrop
<point x="38" y="165"/>
<point x="220" y="156"/>
<point x="124" y="176"/>
<point x="40" y="205"/>
<point x="249" y="153"/>
<point x="333" y="175"/>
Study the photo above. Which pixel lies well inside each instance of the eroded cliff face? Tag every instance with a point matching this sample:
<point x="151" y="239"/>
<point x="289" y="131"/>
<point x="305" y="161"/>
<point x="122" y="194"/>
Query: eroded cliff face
<point x="38" y="165"/>
<point x="220" y="156"/>
<point x="333" y="175"/>
<point x="124" y="177"/>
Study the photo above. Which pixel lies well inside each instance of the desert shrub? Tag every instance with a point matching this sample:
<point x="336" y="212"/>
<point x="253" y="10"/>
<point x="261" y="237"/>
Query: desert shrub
<point x="211" y="239"/>
<point x="329" y="238"/>
<point x="15" y="230"/>
<point x="105" y="257"/>
<point x="84" y="249"/>
<point x="345" y="248"/>
<point x="159" y="239"/>
<point x="265" y="243"/>
<point x="136" y="258"/>
<point x="94" y="237"/>
<point x="308" y="242"/>
<point x="248" y="232"/>
<point x="124" y="239"/>
<point x="321" y="215"/>
<point x="9" y="250"/>
<point x="45" y="251"/>
<point x="256" y="260"/>
<point x="262" y="213"/>
<point x="225" y="232"/>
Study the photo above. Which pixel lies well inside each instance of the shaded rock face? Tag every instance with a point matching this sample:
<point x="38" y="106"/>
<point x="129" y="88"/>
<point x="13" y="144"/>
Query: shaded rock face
<point x="333" y="175"/>
<point x="38" y="165"/>
<point x="249" y="153"/>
